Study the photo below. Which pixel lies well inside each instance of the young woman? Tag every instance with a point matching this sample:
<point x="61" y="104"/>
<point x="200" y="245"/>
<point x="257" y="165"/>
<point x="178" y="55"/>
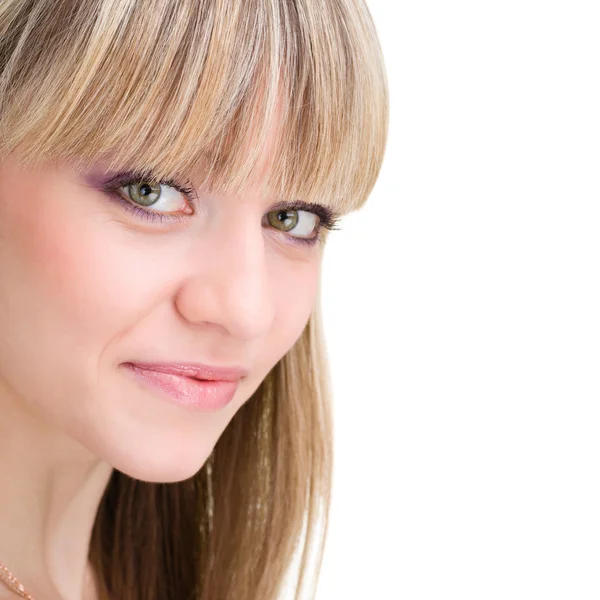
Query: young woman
<point x="169" y="170"/>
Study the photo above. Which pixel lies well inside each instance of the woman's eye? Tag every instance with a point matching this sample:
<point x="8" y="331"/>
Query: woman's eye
<point x="300" y="223"/>
<point x="158" y="196"/>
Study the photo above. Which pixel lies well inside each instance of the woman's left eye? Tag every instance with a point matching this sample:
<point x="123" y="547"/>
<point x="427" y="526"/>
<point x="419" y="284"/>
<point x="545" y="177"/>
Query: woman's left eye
<point x="299" y="223"/>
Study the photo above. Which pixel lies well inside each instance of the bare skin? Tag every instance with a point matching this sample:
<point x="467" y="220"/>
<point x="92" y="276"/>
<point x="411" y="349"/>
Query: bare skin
<point x="87" y="286"/>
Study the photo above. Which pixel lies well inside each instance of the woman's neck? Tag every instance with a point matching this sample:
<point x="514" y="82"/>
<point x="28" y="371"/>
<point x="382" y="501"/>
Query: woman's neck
<point x="51" y="489"/>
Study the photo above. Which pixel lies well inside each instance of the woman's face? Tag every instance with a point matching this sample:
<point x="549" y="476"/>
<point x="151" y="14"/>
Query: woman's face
<point x="87" y="285"/>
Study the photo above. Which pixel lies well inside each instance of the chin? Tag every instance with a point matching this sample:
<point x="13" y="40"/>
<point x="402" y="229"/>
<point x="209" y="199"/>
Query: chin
<point x="156" y="469"/>
<point x="148" y="440"/>
<point x="155" y="459"/>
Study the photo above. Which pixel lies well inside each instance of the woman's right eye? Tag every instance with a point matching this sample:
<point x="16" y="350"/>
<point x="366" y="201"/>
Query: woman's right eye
<point x="150" y="200"/>
<point x="160" y="196"/>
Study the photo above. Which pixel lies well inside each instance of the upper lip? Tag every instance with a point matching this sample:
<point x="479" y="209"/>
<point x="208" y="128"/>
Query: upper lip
<point x="195" y="370"/>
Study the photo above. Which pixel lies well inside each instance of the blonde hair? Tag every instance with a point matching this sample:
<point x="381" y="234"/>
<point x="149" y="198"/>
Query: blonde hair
<point x="164" y="87"/>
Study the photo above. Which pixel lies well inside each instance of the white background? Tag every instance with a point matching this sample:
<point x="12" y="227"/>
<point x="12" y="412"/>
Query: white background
<point x="462" y="311"/>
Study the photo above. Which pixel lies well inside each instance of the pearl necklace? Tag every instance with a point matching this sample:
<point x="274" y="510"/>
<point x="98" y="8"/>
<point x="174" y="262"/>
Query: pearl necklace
<point x="13" y="584"/>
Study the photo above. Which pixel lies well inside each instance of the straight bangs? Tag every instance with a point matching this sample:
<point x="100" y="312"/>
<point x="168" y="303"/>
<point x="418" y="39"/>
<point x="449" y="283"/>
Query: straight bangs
<point x="196" y="86"/>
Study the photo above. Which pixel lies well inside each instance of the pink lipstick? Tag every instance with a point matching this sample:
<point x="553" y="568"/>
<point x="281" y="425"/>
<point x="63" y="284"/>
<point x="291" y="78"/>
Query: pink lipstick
<point x="192" y="385"/>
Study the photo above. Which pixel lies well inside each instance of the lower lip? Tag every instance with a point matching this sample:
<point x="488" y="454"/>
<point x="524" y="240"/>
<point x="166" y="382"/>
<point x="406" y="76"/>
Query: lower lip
<point x="184" y="391"/>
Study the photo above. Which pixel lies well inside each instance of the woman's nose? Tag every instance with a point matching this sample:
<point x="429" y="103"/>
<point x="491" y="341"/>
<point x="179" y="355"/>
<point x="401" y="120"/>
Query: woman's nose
<point x="229" y="283"/>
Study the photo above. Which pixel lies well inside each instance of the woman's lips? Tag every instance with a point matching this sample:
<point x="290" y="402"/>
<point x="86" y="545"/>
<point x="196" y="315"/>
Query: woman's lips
<point x="206" y="395"/>
<point x="195" y="370"/>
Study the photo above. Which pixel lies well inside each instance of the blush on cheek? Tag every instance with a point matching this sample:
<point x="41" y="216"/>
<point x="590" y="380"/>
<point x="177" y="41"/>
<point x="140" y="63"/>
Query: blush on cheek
<point x="63" y="260"/>
<point x="71" y="254"/>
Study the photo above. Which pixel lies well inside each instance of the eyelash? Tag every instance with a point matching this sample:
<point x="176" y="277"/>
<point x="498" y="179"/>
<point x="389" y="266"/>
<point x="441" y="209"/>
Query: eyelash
<point x="327" y="218"/>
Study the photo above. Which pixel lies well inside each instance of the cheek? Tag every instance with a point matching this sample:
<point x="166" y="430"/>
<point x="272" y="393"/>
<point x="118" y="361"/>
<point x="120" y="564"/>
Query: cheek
<point x="61" y="260"/>
<point x="69" y="286"/>
<point x="87" y="283"/>
<point x="295" y="292"/>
